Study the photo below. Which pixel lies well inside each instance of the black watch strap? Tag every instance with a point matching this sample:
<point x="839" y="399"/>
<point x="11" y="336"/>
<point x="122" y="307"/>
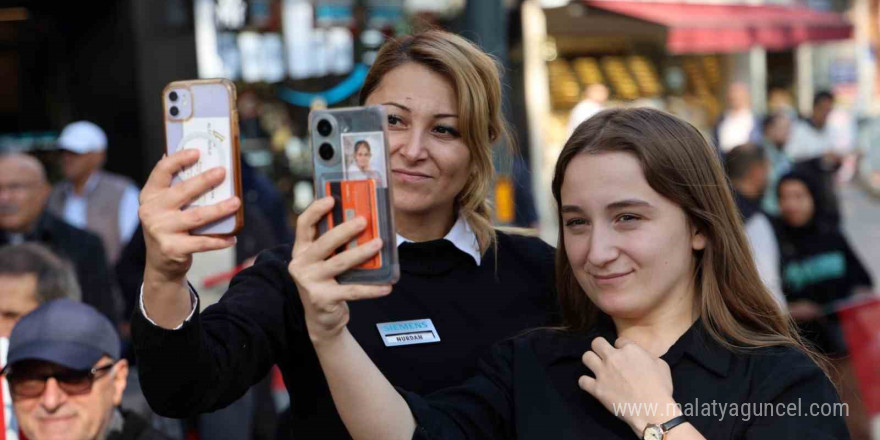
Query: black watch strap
<point x="673" y="423"/>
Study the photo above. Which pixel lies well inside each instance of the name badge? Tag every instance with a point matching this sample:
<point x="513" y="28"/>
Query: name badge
<point x="419" y="331"/>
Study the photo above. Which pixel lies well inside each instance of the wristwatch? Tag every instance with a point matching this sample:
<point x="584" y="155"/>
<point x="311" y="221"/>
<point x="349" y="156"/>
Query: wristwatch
<point x="658" y="432"/>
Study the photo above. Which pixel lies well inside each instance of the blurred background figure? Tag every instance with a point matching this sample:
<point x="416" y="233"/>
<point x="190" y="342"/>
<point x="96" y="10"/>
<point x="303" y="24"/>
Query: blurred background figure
<point x="24" y="191"/>
<point x="31" y="275"/>
<point x="66" y="376"/>
<point x="811" y="147"/>
<point x="738" y="125"/>
<point x="594" y="98"/>
<point x="777" y="129"/>
<point x="818" y="266"/>
<point x="819" y="271"/>
<point x="747" y="168"/>
<point x="89" y="197"/>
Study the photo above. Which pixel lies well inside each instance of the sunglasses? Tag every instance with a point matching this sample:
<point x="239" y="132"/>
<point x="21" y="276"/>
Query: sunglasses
<point x="72" y="382"/>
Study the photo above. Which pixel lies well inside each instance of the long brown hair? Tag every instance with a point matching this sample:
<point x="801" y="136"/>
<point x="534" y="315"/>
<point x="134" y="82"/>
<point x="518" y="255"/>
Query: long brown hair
<point x="474" y="77"/>
<point x="736" y="308"/>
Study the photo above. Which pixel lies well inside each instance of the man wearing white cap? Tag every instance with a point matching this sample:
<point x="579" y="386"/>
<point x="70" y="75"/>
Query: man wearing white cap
<point x="90" y="198"/>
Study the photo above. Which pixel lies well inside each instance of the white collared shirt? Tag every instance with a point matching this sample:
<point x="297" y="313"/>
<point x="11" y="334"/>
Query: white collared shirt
<point x="461" y="236"/>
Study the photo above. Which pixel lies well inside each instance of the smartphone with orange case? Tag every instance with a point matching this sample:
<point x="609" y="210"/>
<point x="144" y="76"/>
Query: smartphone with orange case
<point x="350" y="160"/>
<point x="201" y="115"/>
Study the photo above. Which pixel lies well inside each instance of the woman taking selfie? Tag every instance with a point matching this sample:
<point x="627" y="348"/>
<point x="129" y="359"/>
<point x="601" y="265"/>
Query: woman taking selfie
<point x="664" y="313"/>
<point x="474" y="285"/>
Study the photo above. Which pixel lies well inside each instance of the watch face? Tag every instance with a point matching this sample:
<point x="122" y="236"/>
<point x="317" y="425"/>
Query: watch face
<point x="652" y="432"/>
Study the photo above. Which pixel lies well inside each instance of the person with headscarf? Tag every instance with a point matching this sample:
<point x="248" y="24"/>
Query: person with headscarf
<point x="817" y="265"/>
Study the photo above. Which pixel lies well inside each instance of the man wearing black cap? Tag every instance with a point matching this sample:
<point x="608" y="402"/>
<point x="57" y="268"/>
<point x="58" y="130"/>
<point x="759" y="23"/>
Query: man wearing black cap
<point x="66" y="377"/>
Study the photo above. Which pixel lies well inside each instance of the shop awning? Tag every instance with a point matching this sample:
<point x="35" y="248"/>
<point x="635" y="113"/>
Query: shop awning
<point x="712" y="28"/>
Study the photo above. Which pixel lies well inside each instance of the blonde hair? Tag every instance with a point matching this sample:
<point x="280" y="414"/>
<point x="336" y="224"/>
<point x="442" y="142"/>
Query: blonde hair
<point x="474" y="76"/>
<point x="736" y="308"/>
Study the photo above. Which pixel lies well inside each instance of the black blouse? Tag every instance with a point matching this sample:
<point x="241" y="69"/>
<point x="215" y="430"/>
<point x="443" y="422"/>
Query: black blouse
<point x="527" y="389"/>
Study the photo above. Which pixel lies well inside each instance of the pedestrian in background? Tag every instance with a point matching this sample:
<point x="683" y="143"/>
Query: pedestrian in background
<point x="89" y="197"/>
<point x="24" y="191"/>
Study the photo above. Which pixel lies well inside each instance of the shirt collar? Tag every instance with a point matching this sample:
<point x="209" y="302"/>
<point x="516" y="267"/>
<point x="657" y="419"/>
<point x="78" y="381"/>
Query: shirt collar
<point x="461" y="236"/>
<point x="696" y="343"/>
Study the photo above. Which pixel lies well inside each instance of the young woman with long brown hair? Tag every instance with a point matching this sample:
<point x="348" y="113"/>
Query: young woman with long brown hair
<point x="471" y="285"/>
<point x="669" y="332"/>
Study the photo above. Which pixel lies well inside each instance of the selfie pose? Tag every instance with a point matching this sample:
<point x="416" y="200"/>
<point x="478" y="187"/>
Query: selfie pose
<point x="664" y="313"/>
<point x="463" y="285"/>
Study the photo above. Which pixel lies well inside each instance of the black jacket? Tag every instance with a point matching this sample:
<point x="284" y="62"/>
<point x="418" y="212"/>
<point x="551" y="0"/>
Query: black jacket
<point x="86" y="252"/>
<point x="216" y="356"/>
<point x="527" y="389"/>
<point x="134" y="427"/>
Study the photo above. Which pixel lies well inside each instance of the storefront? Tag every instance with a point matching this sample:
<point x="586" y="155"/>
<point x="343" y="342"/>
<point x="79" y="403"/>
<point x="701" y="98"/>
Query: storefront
<point x="677" y="56"/>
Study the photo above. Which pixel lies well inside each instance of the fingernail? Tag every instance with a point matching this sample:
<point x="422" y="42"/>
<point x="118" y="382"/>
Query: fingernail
<point x="232" y="203"/>
<point x="377" y="243"/>
<point x="217" y="172"/>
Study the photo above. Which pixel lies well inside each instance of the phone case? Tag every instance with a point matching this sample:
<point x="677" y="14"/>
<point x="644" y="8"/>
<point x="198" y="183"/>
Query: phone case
<point x="350" y="160"/>
<point x="201" y="114"/>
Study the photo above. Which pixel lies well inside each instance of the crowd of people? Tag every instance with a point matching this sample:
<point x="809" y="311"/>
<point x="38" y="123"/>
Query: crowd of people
<point x="683" y="272"/>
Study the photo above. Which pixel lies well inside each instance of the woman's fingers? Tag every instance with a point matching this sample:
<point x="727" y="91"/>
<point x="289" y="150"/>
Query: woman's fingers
<point x="592" y="361"/>
<point x="190" y="189"/>
<point x="587" y="384"/>
<point x="200" y="216"/>
<point x="349" y="259"/>
<point x="176" y="246"/>
<point x="307" y="222"/>
<point x="356" y="292"/>
<point x="602" y="347"/>
<point x="622" y="342"/>
<point x="164" y="171"/>
<point x="195" y="244"/>
<point x="333" y="239"/>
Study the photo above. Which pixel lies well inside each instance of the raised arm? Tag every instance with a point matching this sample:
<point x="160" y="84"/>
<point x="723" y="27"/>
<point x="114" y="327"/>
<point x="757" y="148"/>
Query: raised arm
<point x="191" y="363"/>
<point x="369" y="405"/>
<point x="169" y="244"/>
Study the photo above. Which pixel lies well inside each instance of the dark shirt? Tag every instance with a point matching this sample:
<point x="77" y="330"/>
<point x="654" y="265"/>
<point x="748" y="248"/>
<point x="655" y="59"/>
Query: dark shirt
<point x="85" y="252"/>
<point x="217" y="355"/>
<point x="527" y="389"/>
<point x="135" y="427"/>
<point x="818" y="264"/>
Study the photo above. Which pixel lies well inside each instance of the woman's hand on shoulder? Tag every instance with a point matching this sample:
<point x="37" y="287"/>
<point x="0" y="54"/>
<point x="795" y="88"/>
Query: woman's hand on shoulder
<point x="314" y="268"/>
<point x="630" y="382"/>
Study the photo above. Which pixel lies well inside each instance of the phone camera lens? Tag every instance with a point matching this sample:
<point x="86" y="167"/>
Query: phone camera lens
<point x="325" y="151"/>
<point x="172" y="96"/>
<point x="174" y="111"/>
<point x="324" y="127"/>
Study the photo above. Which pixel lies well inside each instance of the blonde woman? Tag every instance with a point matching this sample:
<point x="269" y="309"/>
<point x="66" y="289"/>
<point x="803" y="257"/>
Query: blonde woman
<point x="462" y="286"/>
<point x="669" y="332"/>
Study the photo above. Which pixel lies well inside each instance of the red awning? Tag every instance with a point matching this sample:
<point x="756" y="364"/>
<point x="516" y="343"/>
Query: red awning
<point x="711" y="28"/>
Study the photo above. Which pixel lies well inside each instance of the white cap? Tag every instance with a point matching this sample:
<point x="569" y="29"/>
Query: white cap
<point x="82" y="137"/>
